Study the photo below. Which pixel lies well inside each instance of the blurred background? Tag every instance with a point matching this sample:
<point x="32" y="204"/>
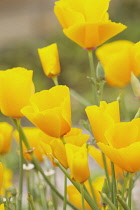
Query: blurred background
<point x="28" y="25"/>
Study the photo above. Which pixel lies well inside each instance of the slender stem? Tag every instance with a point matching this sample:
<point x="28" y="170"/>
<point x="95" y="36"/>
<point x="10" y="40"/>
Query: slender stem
<point x="114" y="184"/>
<point x="38" y="167"/>
<point x="55" y="80"/>
<point x="106" y="171"/>
<point x="65" y="193"/>
<point x="130" y="190"/>
<point x="123" y="203"/>
<point x="79" y="98"/>
<point x="28" y="185"/>
<point x="108" y="201"/>
<point x="19" y="204"/>
<point x="125" y="184"/>
<point x="92" y="189"/>
<point x="30" y="198"/>
<point x="82" y="196"/>
<point x="93" y="78"/>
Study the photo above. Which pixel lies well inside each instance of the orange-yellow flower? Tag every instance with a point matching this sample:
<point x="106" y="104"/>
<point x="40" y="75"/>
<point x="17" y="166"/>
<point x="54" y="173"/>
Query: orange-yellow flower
<point x="75" y="197"/>
<point x="34" y="136"/>
<point x="7" y="180"/>
<point x="101" y="118"/>
<point x="56" y="148"/>
<point x="86" y="22"/>
<point x="16" y="87"/>
<point x="78" y="162"/>
<point x="2" y="207"/>
<point x="119" y="59"/>
<point x="5" y="137"/>
<point x="97" y="156"/>
<point x="50" y="111"/>
<point x="49" y="58"/>
<point x="123" y="145"/>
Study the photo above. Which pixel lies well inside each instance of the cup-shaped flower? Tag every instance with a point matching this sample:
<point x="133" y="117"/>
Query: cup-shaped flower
<point x="50" y="111"/>
<point x="119" y="59"/>
<point x="101" y="118"/>
<point x="5" y="137"/>
<point x="96" y="154"/>
<point x="49" y="58"/>
<point x="74" y="195"/>
<point x="86" y="22"/>
<point x="34" y="136"/>
<point x="78" y="162"/>
<point x="16" y="87"/>
<point x="123" y="145"/>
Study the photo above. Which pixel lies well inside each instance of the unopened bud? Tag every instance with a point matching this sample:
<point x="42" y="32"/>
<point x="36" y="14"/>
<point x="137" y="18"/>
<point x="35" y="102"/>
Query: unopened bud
<point x="100" y="71"/>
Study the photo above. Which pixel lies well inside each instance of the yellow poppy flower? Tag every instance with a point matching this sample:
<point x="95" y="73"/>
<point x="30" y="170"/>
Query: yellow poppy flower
<point x="49" y="58"/>
<point x="16" y="87"/>
<point x="50" y="111"/>
<point x="74" y="195"/>
<point x="123" y="145"/>
<point x="34" y="136"/>
<point x="86" y="22"/>
<point x="101" y="118"/>
<point x="78" y="162"/>
<point x="119" y="59"/>
<point x="5" y="137"/>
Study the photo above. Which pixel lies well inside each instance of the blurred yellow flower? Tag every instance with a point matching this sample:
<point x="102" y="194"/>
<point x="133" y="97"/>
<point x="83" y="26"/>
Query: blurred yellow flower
<point x="77" y="158"/>
<point x="5" y="137"/>
<point x="56" y="148"/>
<point x="119" y="59"/>
<point x="2" y="207"/>
<point x="101" y="118"/>
<point x="75" y="197"/>
<point x="49" y="58"/>
<point x="123" y="145"/>
<point x="16" y="87"/>
<point x="50" y="111"/>
<point x="7" y="180"/>
<point x="86" y="22"/>
<point x="34" y="136"/>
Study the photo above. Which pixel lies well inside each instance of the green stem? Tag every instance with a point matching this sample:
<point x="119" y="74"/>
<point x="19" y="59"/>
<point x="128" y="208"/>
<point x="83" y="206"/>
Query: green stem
<point x="55" y="80"/>
<point x="38" y="167"/>
<point x="89" y="200"/>
<point x="106" y="171"/>
<point x="108" y="201"/>
<point x="79" y="98"/>
<point x="28" y="185"/>
<point x="125" y="184"/>
<point x="30" y="199"/>
<point x="114" y="186"/>
<point x="123" y="203"/>
<point x="93" y="77"/>
<point x="130" y="190"/>
<point x="92" y="189"/>
<point x="65" y="193"/>
<point x="82" y="195"/>
<point x="19" y="204"/>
